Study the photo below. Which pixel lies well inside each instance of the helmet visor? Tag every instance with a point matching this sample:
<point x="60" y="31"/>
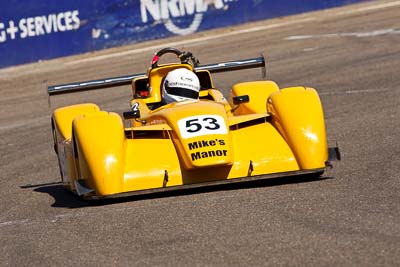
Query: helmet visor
<point x="183" y="92"/>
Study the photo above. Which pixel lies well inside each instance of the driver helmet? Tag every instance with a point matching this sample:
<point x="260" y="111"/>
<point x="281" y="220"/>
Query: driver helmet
<point x="180" y="84"/>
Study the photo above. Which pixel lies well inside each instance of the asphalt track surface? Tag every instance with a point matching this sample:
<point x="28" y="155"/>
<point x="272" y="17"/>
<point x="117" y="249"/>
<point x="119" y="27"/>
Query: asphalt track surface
<point x="350" y="217"/>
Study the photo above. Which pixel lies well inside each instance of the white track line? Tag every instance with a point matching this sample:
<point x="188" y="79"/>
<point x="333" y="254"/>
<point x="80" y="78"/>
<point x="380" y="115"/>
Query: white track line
<point x="370" y="8"/>
<point x="187" y="42"/>
<point x="351" y="92"/>
<point x="344" y="34"/>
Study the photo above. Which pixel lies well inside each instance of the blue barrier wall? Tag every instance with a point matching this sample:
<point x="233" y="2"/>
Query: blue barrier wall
<point x="33" y="30"/>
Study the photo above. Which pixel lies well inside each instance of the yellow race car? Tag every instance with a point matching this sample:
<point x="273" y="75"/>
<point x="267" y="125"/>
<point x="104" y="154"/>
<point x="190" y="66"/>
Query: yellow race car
<point x="259" y="132"/>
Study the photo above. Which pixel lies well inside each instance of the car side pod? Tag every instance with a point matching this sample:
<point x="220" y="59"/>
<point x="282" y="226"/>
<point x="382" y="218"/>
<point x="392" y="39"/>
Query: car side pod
<point x="258" y="92"/>
<point x="297" y="114"/>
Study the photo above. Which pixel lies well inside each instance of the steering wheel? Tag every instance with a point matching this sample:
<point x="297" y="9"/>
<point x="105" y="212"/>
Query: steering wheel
<point x="184" y="57"/>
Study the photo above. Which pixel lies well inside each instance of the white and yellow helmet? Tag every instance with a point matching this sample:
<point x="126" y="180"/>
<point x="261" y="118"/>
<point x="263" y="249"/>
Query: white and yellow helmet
<point x="180" y="84"/>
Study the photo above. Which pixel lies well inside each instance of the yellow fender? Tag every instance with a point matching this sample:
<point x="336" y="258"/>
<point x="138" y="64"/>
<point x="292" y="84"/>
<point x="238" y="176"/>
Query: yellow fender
<point x="100" y="142"/>
<point x="297" y="114"/>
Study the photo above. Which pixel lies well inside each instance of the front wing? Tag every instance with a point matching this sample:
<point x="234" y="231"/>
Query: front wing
<point x="301" y="173"/>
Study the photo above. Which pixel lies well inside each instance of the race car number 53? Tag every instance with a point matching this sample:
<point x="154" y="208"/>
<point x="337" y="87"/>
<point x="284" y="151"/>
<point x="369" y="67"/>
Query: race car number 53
<point x="201" y="125"/>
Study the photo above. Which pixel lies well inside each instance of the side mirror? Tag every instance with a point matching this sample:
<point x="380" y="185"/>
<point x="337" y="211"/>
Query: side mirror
<point x="133" y="114"/>
<point x="241" y="99"/>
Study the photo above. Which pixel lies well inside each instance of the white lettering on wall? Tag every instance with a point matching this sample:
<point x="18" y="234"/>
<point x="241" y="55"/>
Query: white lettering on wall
<point x="40" y="25"/>
<point x="166" y="10"/>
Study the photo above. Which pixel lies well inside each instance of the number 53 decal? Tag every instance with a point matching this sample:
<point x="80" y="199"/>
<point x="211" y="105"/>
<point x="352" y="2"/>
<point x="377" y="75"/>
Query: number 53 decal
<point x="201" y="125"/>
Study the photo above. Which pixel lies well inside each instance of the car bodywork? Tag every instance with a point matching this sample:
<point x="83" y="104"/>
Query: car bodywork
<point x="260" y="131"/>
